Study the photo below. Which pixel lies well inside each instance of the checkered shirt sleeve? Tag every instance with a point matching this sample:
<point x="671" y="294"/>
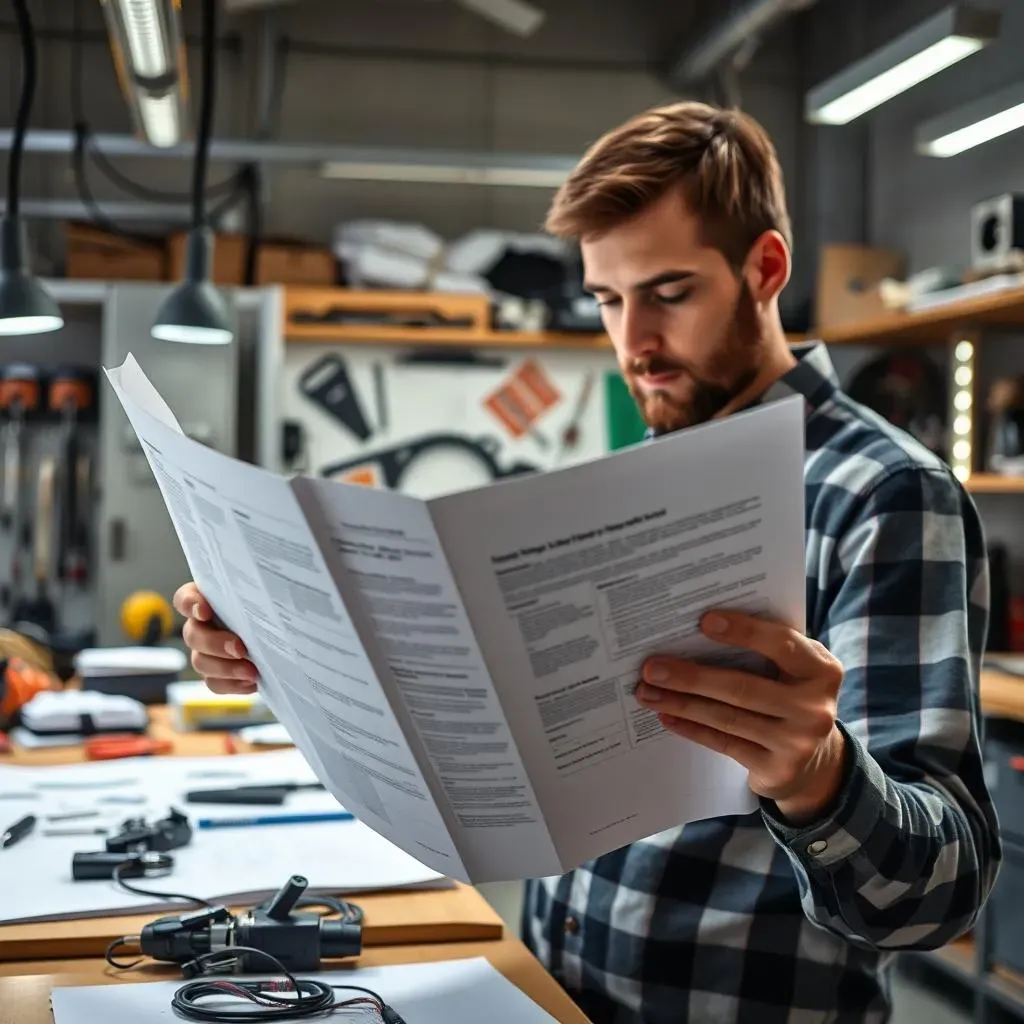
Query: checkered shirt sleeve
<point x="909" y="851"/>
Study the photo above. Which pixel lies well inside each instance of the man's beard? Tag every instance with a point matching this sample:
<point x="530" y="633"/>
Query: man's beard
<point x="733" y="366"/>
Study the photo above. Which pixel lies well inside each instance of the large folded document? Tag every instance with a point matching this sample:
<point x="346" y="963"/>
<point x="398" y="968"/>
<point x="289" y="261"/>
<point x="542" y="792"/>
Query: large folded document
<point x="460" y="672"/>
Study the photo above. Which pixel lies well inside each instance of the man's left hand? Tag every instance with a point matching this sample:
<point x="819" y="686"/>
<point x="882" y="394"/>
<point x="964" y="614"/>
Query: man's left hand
<point x="782" y="731"/>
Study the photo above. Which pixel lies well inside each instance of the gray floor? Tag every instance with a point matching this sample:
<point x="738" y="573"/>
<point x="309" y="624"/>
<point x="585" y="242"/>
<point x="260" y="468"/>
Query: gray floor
<point x="914" y="1004"/>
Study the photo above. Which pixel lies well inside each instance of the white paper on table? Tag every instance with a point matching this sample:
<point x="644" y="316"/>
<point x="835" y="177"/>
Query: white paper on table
<point x="241" y="864"/>
<point x="444" y="992"/>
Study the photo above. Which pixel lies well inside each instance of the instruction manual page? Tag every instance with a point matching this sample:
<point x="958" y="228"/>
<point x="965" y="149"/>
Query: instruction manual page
<point x="460" y="672"/>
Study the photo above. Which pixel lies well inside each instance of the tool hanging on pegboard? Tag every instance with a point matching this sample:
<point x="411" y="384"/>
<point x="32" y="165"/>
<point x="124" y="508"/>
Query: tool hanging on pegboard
<point x="19" y="399"/>
<point x="38" y="608"/>
<point x="70" y="398"/>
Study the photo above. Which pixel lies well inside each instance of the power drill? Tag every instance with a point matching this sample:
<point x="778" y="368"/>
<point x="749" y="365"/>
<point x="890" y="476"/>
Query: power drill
<point x="299" y="941"/>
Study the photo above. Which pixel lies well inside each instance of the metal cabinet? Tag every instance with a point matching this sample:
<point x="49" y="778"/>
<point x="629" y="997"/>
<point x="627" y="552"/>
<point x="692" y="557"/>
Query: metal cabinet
<point x="138" y="547"/>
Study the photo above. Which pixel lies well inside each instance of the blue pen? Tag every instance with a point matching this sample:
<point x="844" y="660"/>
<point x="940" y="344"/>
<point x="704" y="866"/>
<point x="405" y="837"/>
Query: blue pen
<point x="281" y="819"/>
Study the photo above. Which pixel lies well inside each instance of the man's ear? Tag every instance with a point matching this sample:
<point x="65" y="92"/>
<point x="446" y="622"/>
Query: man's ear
<point x="768" y="266"/>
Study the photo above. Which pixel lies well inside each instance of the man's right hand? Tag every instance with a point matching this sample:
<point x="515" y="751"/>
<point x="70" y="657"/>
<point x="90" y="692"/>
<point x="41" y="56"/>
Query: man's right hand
<point x="218" y="656"/>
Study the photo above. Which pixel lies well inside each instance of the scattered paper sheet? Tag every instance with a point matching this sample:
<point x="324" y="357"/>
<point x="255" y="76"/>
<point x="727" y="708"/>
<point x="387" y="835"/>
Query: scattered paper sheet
<point x="445" y="992"/>
<point x="244" y="864"/>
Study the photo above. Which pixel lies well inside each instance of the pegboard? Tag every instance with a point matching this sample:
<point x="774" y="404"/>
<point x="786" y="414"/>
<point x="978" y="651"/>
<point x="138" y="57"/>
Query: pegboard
<point x="427" y="424"/>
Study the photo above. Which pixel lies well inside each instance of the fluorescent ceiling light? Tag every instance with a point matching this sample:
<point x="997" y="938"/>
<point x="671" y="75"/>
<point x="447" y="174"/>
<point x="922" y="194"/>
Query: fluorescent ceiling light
<point x="161" y="121"/>
<point x="147" y="46"/>
<point x="953" y="34"/>
<point x="530" y="177"/>
<point x="146" y="38"/>
<point x="972" y="124"/>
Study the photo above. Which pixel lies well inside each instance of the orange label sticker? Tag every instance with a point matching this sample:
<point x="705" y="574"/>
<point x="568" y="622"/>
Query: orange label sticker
<point x="523" y="398"/>
<point x="364" y="476"/>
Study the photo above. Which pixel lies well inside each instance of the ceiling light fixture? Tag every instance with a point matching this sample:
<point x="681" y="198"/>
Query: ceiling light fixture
<point x="25" y="305"/>
<point x="446" y="174"/>
<point x="972" y="124"/>
<point x="146" y="38"/>
<point x="951" y="35"/>
<point x="195" y="313"/>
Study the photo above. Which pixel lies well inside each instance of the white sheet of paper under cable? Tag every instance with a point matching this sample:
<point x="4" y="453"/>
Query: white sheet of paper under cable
<point x="239" y="865"/>
<point x="445" y="992"/>
<point x="460" y="672"/>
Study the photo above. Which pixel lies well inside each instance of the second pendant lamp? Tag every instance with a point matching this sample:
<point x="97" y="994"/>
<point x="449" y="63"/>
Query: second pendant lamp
<point x="195" y="313"/>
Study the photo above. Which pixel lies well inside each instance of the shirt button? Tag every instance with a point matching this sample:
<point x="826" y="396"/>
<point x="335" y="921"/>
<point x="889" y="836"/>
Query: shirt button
<point x="817" y="847"/>
<point x="572" y="926"/>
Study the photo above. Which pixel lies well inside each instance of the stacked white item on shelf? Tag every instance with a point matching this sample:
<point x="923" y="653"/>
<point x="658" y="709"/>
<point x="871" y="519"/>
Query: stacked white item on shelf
<point x="390" y="254"/>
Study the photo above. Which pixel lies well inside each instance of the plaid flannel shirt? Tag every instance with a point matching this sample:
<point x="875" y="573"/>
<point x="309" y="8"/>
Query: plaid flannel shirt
<point x="746" y="919"/>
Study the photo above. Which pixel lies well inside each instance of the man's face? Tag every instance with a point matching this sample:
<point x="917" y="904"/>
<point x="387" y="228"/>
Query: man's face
<point x="684" y="325"/>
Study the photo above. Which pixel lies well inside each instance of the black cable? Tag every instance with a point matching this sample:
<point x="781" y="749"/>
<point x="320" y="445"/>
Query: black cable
<point x="309" y="999"/>
<point x="206" y="105"/>
<point x="154" y="894"/>
<point x="120" y="964"/>
<point x="84" y="190"/>
<point x="28" y="92"/>
<point x="229" y="186"/>
<point x="254" y="220"/>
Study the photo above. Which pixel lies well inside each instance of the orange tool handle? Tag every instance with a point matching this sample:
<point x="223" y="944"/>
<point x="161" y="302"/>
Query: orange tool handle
<point x="1017" y="763"/>
<point x="111" y="747"/>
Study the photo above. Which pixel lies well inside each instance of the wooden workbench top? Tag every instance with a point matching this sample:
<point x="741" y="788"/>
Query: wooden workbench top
<point x="25" y="997"/>
<point x="457" y="914"/>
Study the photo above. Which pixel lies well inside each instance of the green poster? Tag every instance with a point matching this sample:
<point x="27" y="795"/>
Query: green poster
<point x="625" y="425"/>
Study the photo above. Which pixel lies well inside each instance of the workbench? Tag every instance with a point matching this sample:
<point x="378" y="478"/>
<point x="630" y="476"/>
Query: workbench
<point x="400" y="927"/>
<point x="25" y="999"/>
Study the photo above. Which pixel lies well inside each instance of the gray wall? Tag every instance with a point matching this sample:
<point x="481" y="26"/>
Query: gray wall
<point x="352" y="76"/>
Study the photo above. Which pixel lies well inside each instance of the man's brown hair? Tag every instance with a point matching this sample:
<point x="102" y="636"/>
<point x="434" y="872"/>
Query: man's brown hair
<point x="722" y="160"/>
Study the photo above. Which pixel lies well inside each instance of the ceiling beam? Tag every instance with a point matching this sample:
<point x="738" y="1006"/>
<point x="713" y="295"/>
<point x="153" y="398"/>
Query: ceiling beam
<point x="314" y="155"/>
<point x="748" y="21"/>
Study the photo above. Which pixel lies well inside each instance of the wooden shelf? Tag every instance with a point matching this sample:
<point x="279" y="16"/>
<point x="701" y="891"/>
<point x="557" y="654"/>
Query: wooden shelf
<point x="956" y="959"/>
<point x="1000" y="984"/>
<point x="1007" y="987"/>
<point x="1002" y="694"/>
<point x="320" y="302"/>
<point x="470" y="316"/>
<point x="387" y="335"/>
<point x="932" y="325"/>
<point x="994" y="483"/>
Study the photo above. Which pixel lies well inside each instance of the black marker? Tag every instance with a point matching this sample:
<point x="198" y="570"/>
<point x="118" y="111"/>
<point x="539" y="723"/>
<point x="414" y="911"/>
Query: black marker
<point x="17" y="831"/>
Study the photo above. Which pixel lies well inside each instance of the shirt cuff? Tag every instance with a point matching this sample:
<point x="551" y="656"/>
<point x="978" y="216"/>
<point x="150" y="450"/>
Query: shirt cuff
<point x="847" y="824"/>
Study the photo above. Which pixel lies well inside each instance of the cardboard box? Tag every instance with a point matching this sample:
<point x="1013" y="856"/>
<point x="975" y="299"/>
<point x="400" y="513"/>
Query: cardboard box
<point x="283" y="262"/>
<point x="228" y="265"/>
<point x="848" y="283"/>
<point x="96" y="255"/>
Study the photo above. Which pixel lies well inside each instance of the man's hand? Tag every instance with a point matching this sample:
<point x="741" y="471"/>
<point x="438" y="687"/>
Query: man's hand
<point x="218" y="656"/>
<point x="783" y="731"/>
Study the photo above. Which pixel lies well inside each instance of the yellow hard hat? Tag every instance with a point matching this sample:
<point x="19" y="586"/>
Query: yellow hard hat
<point x="147" y="617"/>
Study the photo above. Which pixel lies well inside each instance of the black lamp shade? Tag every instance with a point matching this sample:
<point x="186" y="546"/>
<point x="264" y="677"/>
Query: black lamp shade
<point x="195" y="313"/>
<point x="26" y="307"/>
